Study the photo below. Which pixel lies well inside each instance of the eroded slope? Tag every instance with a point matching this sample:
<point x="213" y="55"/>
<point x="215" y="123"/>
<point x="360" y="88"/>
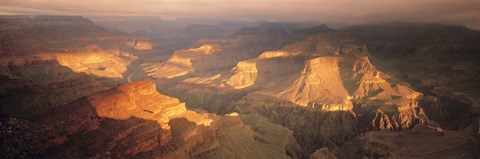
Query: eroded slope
<point x="134" y="120"/>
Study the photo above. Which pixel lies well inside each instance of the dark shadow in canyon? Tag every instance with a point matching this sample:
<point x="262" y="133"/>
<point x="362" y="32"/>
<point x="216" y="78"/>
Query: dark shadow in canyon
<point x="42" y="85"/>
<point x="432" y="58"/>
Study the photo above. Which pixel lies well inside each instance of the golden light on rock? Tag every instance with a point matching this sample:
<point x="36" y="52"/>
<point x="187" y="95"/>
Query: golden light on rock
<point x="97" y="61"/>
<point x="140" y="45"/>
<point x="179" y="64"/>
<point x="245" y="75"/>
<point x="246" y="89"/>
<point x="141" y="99"/>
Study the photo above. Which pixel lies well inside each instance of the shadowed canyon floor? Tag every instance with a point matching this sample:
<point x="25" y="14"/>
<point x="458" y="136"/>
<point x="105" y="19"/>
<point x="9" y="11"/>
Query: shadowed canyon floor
<point x="72" y="89"/>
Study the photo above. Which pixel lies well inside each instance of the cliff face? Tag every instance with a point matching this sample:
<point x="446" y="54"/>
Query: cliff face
<point x="53" y="67"/>
<point x="181" y="62"/>
<point x="325" y="82"/>
<point x="134" y="120"/>
<point x="440" y="60"/>
<point x="325" y="94"/>
<point x="39" y="48"/>
<point x="62" y="58"/>
<point x="213" y="55"/>
<point x="319" y="79"/>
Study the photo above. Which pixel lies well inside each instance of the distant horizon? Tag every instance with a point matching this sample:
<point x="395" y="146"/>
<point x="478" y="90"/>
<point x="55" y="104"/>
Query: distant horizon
<point x="215" y="21"/>
<point x="344" y="12"/>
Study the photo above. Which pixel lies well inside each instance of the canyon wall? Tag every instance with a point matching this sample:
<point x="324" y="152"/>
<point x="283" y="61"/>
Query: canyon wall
<point x="134" y="120"/>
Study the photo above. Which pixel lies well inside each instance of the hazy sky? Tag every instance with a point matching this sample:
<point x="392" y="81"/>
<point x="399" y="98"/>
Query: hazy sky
<point x="465" y="12"/>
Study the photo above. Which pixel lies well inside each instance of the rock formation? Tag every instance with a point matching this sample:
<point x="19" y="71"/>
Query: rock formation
<point x="134" y="120"/>
<point x="39" y="48"/>
<point x="396" y="90"/>
<point x="214" y="54"/>
<point x="327" y="76"/>
<point x="440" y="60"/>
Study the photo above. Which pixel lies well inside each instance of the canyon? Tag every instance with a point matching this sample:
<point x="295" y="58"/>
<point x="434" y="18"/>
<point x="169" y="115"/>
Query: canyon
<point x="72" y="87"/>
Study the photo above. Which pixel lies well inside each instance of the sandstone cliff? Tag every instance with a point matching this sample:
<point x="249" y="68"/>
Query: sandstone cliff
<point x="214" y="54"/>
<point x="134" y="120"/>
<point x="374" y="91"/>
<point x="46" y="49"/>
<point x="326" y="77"/>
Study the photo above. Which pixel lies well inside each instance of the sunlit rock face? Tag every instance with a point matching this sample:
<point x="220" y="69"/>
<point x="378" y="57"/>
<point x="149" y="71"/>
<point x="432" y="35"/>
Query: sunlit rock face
<point x="98" y="62"/>
<point x="134" y="120"/>
<point x="265" y="92"/>
<point x="135" y="99"/>
<point x="48" y="49"/>
<point x="342" y="88"/>
<point x="53" y="55"/>
<point x="92" y="60"/>
<point x="328" y="89"/>
<point x="214" y="55"/>
<point x="181" y="62"/>
<point x="140" y="45"/>
<point x="332" y="73"/>
<point x="319" y="77"/>
<point x="327" y="76"/>
<point x="245" y="75"/>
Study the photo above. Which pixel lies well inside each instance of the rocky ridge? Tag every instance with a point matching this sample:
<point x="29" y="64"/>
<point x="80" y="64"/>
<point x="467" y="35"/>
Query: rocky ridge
<point x="361" y="92"/>
<point x="326" y="77"/>
<point x="134" y="120"/>
<point x="213" y="54"/>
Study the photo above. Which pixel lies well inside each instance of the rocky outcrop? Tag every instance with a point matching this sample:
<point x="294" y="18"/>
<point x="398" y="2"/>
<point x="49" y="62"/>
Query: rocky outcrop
<point x="328" y="71"/>
<point x="46" y="49"/>
<point x="320" y="79"/>
<point x="321" y="96"/>
<point x="439" y="60"/>
<point x="51" y="67"/>
<point x="181" y="62"/>
<point x="134" y="120"/>
<point x="325" y="82"/>
<point x="214" y="54"/>
<point x="194" y="71"/>
<point x="98" y="62"/>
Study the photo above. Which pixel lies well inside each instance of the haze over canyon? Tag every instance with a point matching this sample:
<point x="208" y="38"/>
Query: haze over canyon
<point x="238" y="82"/>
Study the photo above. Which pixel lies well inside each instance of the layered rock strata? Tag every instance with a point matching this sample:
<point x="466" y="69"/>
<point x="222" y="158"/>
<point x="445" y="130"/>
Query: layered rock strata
<point x="135" y="121"/>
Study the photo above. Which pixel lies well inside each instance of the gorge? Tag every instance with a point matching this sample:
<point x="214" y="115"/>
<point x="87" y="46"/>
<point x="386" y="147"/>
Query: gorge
<point x="80" y="87"/>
